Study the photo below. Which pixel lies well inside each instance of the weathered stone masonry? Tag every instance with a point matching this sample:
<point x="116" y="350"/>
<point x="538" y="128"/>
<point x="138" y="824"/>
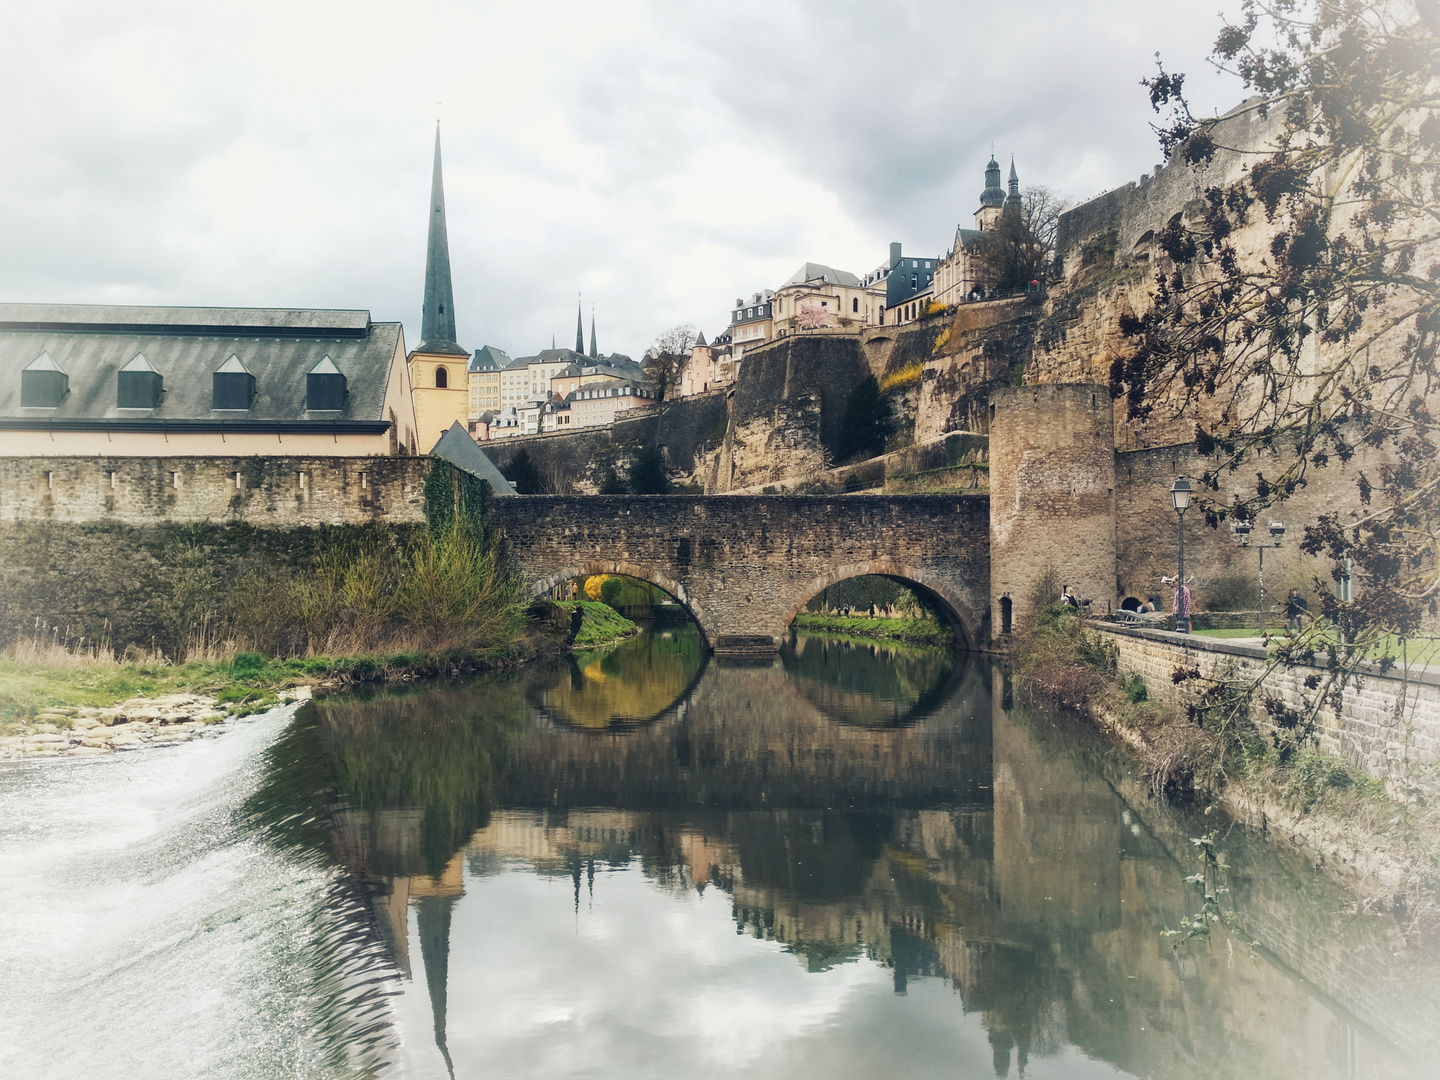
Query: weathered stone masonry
<point x="1385" y="725"/>
<point x="745" y="564"/>
<point x="265" y="492"/>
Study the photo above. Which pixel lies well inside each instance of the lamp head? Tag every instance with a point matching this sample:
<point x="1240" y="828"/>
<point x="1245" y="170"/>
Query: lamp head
<point x="1242" y="530"/>
<point x="1277" y="531"/>
<point x="1180" y="494"/>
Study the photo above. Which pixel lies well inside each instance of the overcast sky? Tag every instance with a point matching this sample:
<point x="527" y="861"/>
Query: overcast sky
<point x="661" y="157"/>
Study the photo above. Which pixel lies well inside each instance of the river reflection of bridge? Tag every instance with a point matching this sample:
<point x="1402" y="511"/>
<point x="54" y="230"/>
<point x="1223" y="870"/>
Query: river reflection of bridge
<point x="954" y="847"/>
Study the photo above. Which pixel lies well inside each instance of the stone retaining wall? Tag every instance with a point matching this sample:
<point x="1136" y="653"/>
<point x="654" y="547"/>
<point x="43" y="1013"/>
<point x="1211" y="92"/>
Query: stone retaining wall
<point x="268" y="492"/>
<point x="1386" y="726"/>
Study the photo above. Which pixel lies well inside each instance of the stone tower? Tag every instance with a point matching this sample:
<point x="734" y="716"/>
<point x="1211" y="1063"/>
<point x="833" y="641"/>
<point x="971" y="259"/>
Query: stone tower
<point x="1052" y="497"/>
<point x="992" y="199"/>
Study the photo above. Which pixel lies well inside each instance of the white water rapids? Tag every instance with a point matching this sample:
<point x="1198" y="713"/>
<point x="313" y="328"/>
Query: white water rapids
<point x="148" y="933"/>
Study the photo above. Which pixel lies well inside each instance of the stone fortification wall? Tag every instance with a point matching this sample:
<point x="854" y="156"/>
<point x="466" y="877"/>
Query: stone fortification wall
<point x="744" y="565"/>
<point x="118" y="584"/>
<point x="786" y="409"/>
<point x="1052" y="497"/>
<point x="1105" y="262"/>
<point x="987" y="343"/>
<point x="575" y="461"/>
<point x="1146" y="525"/>
<point x="1386" y="725"/>
<point x="263" y="491"/>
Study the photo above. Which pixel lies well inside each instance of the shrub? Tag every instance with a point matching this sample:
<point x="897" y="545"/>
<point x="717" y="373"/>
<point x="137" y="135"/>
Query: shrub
<point x="1134" y="689"/>
<point x="1233" y="590"/>
<point x="610" y="590"/>
<point x="907" y="376"/>
<point x="1311" y="774"/>
<point x="454" y="594"/>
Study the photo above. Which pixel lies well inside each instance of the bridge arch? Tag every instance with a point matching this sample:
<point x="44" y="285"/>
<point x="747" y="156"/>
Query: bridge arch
<point x="589" y="567"/>
<point x="967" y="625"/>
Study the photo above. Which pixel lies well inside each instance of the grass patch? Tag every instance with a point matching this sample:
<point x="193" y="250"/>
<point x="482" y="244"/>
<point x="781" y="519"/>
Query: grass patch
<point x="600" y="623"/>
<point x="925" y="631"/>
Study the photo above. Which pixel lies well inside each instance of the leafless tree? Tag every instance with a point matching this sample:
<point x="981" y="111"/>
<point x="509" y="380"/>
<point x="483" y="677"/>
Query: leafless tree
<point x="667" y="355"/>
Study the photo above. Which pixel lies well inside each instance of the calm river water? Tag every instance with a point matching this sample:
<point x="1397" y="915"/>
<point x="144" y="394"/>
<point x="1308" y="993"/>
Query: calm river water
<point x="850" y="861"/>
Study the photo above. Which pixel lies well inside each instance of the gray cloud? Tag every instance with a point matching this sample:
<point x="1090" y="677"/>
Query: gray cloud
<point x="663" y="157"/>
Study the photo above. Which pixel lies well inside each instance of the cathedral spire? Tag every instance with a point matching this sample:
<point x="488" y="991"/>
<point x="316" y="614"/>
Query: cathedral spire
<point x="594" y="352"/>
<point x="1012" y="200"/>
<point x="437" y="323"/>
<point x="579" y="328"/>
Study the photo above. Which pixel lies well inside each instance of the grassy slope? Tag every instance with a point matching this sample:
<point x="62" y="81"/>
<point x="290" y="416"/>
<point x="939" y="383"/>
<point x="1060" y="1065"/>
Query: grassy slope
<point x="601" y="622"/>
<point x="924" y="630"/>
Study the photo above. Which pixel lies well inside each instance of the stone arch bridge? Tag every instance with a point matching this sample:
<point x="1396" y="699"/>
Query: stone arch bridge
<point x="743" y="565"/>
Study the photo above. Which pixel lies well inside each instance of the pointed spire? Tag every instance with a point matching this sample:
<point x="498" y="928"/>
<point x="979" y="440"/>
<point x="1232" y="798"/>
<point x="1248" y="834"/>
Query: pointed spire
<point x="437" y="323"/>
<point x="1012" y="201"/>
<point x="579" y="328"/>
<point x="594" y="352"/>
<point x="432" y="923"/>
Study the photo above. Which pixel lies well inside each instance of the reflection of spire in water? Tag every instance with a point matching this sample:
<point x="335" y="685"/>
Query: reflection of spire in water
<point x="432" y="919"/>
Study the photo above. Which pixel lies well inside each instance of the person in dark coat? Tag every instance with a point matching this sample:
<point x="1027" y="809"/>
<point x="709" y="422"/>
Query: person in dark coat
<point x="1295" y="609"/>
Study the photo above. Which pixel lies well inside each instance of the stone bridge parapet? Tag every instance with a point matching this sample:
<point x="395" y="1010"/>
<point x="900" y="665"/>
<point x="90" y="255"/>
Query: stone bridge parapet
<point x="744" y="565"/>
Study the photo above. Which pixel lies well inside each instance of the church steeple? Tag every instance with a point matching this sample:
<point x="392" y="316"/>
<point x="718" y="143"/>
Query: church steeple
<point x="437" y="323"/>
<point x="992" y="199"/>
<point x="579" y="328"/>
<point x="594" y="352"/>
<point x="1012" y="200"/>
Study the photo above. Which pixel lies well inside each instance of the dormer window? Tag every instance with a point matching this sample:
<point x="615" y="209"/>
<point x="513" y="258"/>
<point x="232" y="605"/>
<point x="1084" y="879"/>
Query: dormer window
<point x="42" y="384"/>
<point x="324" y="387"/>
<point x="233" y="387"/>
<point x="138" y="385"/>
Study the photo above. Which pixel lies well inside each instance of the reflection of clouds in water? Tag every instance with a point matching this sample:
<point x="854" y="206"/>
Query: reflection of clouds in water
<point x="643" y="982"/>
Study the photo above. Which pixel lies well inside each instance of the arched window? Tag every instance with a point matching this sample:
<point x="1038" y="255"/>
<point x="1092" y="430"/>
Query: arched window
<point x="854" y="303"/>
<point x="442" y="378"/>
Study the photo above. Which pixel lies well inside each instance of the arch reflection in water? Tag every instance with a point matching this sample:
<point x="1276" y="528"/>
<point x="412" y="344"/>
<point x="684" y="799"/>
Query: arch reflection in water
<point x="633" y="682"/>
<point x="746" y="885"/>
<point x="870" y="682"/>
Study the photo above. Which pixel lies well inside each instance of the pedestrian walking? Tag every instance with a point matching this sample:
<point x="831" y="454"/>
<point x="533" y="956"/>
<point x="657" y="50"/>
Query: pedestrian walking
<point x="1295" y="609"/>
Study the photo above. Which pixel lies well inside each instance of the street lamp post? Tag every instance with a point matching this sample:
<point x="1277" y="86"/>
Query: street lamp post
<point x="1180" y="497"/>
<point x="1243" y="531"/>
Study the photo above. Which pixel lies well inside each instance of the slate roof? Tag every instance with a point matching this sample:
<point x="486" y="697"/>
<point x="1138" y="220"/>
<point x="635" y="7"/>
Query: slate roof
<point x="457" y="447"/>
<point x="489" y="358"/>
<point x="819" y="271"/>
<point x="91" y="344"/>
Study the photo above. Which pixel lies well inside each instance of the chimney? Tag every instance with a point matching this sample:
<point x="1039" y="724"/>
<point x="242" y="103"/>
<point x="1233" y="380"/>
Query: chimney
<point x="894" y="256"/>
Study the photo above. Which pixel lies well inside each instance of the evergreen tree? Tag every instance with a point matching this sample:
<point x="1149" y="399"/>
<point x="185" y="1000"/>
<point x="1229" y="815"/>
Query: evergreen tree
<point x="523" y="475"/>
<point x="612" y="483"/>
<point x="868" y="422"/>
<point x="647" y="473"/>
